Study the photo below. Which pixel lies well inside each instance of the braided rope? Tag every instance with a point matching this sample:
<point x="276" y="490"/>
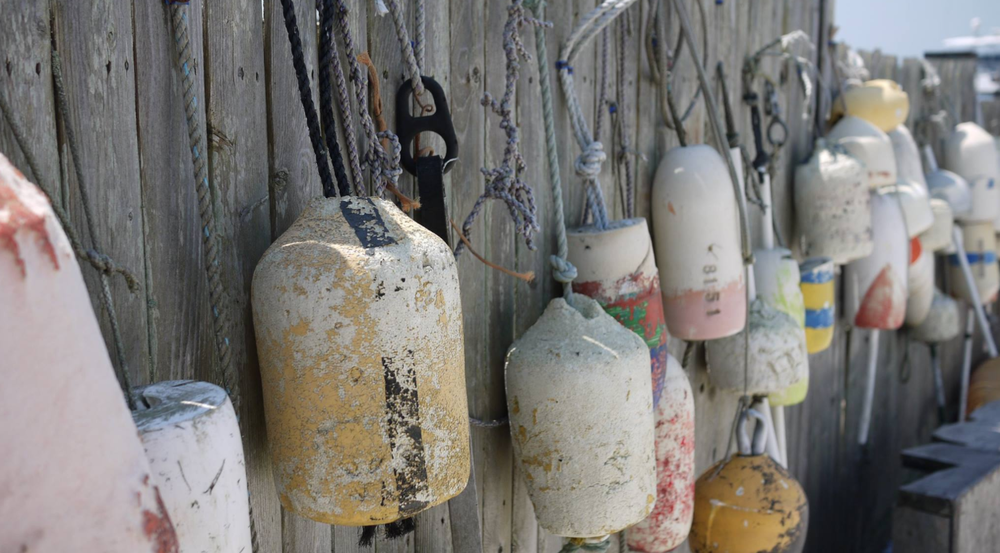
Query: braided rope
<point x="588" y="164"/>
<point x="625" y="152"/>
<point x="345" y="105"/>
<point x="329" y="61"/>
<point x="505" y="182"/>
<point x="407" y="47"/>
<point x="562" y="270"/>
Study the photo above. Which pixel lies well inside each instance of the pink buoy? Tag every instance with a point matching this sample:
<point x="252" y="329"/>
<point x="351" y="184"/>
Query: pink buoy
<point x="73" y="474"/>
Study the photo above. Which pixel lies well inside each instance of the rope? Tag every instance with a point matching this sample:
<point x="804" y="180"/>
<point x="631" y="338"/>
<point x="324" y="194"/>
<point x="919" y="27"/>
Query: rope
<point x="661" y="59"/>
<point x="312" y="121"/>
<point x="104" y="265"/>
<point x="505" y="182"/>
<point x="218" y="299"/>
<point x="625" y="151"/>
<point x="588" y="164"/>
<point x="330" y="61"/>
<point x="562" y="270"/>
<point x="407" y="47"/>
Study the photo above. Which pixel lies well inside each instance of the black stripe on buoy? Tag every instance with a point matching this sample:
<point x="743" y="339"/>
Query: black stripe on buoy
<point x="405" y="437"/>
<point x="366" y="221"/>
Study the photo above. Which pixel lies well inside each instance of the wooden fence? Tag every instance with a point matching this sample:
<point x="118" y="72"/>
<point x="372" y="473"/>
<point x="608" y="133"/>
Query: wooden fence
<point x="125" y="104"/>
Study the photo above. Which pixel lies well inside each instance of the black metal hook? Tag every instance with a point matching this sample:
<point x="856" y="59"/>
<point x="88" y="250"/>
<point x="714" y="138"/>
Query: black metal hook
<point x="409" y="126"/>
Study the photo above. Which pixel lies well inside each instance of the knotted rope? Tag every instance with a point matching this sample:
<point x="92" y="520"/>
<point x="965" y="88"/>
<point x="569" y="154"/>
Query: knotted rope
<point x="329" y="58"/>
<point x="592" y="156"/>
<point x="505" y="182"/>
<point x="562" y="270"/>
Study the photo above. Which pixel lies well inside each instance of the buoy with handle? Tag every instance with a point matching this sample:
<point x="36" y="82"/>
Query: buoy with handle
<point x="870" y="145"/>
<point x="749" y="503"/>
<point x="970" y="153"/>
<point x="616" y="267"/>
<point x="192" y="440"/>
<point x="670" y="522"/>
<point x="819" y="298"/>
<point x="359" y="331"/>
<point x="833" y="205"/>
<point x="75" y="477"/>
<point x="879" y="101"/>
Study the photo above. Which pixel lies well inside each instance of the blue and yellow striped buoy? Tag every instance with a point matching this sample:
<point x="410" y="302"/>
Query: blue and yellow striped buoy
<point x="818" y="293"/>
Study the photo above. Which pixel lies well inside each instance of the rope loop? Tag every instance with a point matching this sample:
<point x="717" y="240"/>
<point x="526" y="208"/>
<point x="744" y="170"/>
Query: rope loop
<point x="104" y="264"/>
<point x="588" y="163"/>
<point x="562" y="270"/>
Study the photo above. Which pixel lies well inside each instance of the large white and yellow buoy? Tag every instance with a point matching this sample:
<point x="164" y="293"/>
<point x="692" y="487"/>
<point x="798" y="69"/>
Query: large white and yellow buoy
<point x="73" y="476"/>
<point x="359" y="330"/>
<point x="876" y="286"/>
<point x="749" y="503"/>
<point x="670" y="522"/>
<point x="833" y="206"/>
<point x="616" y="267"/>
<point x="870" y="145"/>
<point x="192" y="440"/>
<point x="969" y="152"/>
<point x="696" y="229"/>
<point x="777" y="282"/>
<point x="879" y="101"/>
<point x="981" y="251"/>
<point x="581" y="420"/>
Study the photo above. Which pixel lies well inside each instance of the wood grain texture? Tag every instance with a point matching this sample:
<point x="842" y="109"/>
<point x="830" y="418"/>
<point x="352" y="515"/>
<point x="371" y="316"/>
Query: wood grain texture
<point x="95" y="42"/>
<point x="235" y="90"/>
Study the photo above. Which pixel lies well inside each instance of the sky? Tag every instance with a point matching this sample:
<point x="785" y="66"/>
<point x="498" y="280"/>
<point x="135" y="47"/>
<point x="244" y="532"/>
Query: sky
<point x="910" y="27"/>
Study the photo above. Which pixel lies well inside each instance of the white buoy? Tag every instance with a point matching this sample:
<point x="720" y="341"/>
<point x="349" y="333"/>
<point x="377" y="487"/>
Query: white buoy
<point x="581" y="420"/>
<point x="192" y="440"/>
<point x="980" y="245"/>
<point x="938" y="237"/>
<point x="969" y="151"/>
<point x="949" y="187"/>
<point x="870" y="145"/>
<point x="919" y="283"/>
<point x="916" y="207"/>
<point x="73" y="476"/>
<point x="908" y="165"/>
<point x="697" y="237"/>
<point x="942" y="323"/>
<point x="833" y="206"/>
<point x="358" y="319"/>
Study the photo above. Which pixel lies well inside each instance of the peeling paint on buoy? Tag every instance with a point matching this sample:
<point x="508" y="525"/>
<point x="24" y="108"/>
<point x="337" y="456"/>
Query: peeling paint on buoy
<point x="581" y="420"/>
<point x="875" y="287"/>
<point x="616" y="267"/>
<point x="869" y="145"/>
<point x="981" y="251"/>
<point x="78" y="479"/>
<point x="670" y="522"/>
<point x="818" y="295"/>
<point x="695" y="221"/>
<point x="777" y="279"/>
<point x="970" y="153"/>
<point x="359" y="330"/>
<point x="192" y="440"/>
<point x="833" y="205"/>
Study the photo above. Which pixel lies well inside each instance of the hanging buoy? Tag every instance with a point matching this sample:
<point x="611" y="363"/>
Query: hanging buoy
<point x="776" y="279"/>
<point x="970" y="153"/>
<point x="880" y="101"/>
<point x="617" y="268"/>
<point x="984" y="386"/>
<point x="818" y="295"/>
<point x="870" y="145"/>
<point x="749" y="503"/>
<point x="697" y="235"/>
<point x="916" y="207"/>
<point x="192" y="440"/>
<point x="908" y="165"/>
<point x="359" y="330"/>
<point x="938" y="237"/>
<point x="875" y="287"/>
<point x="981" y="251"/>
<point x="833" y="206"/>
<point x="919" y="283"/>
<point x="581" y="420"/>
<point x="943" y="321"/>
<point x="670" y="522"/>
<point x="949" y="187"/>
<point x="73" y="475"/>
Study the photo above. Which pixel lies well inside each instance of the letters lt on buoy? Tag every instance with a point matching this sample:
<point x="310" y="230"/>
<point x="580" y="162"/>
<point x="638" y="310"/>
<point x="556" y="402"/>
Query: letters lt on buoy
<point x="359" y="330"/>
<point x="79" y="479"/>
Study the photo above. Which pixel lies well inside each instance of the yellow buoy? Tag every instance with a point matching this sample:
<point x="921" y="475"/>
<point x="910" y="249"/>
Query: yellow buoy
<point x="749" y="503"/>
<point x="881" y="102"/>
<point x="359" y="331"/>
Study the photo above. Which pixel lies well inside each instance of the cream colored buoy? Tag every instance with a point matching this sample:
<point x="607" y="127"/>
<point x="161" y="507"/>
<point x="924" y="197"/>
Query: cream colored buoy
<point x="695" y="225"/>
<point x="670" y="522"/>
<point x="359" y="330"/>
<point x="192" y="440"/>
<point x="949" y="187"/>
<point x="73" y="476"/>
<point x="581" y="420"/>
<point x="938" y="237"/>
<point x="777" y="280"/>
<point x="981" y="251"/>
<point x="880" y="101"/>
<point x="943" y="321"/>
<point x="908" y="165"/>
<point x="819" y="297"/>
<point x="833" y="206"/>
<point x="916" y="207"/>
<point x="870" y="145"/>
<point x="616" y="267"/>
<point x="749" y="503"/>
<point x="970" y="153"/>
<point x="875" y="287"/>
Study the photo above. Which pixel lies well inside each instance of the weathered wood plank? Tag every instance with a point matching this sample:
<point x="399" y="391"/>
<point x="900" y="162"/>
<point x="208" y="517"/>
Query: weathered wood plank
<point x="95" y="42"/>
<point x="235" y="91"/>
